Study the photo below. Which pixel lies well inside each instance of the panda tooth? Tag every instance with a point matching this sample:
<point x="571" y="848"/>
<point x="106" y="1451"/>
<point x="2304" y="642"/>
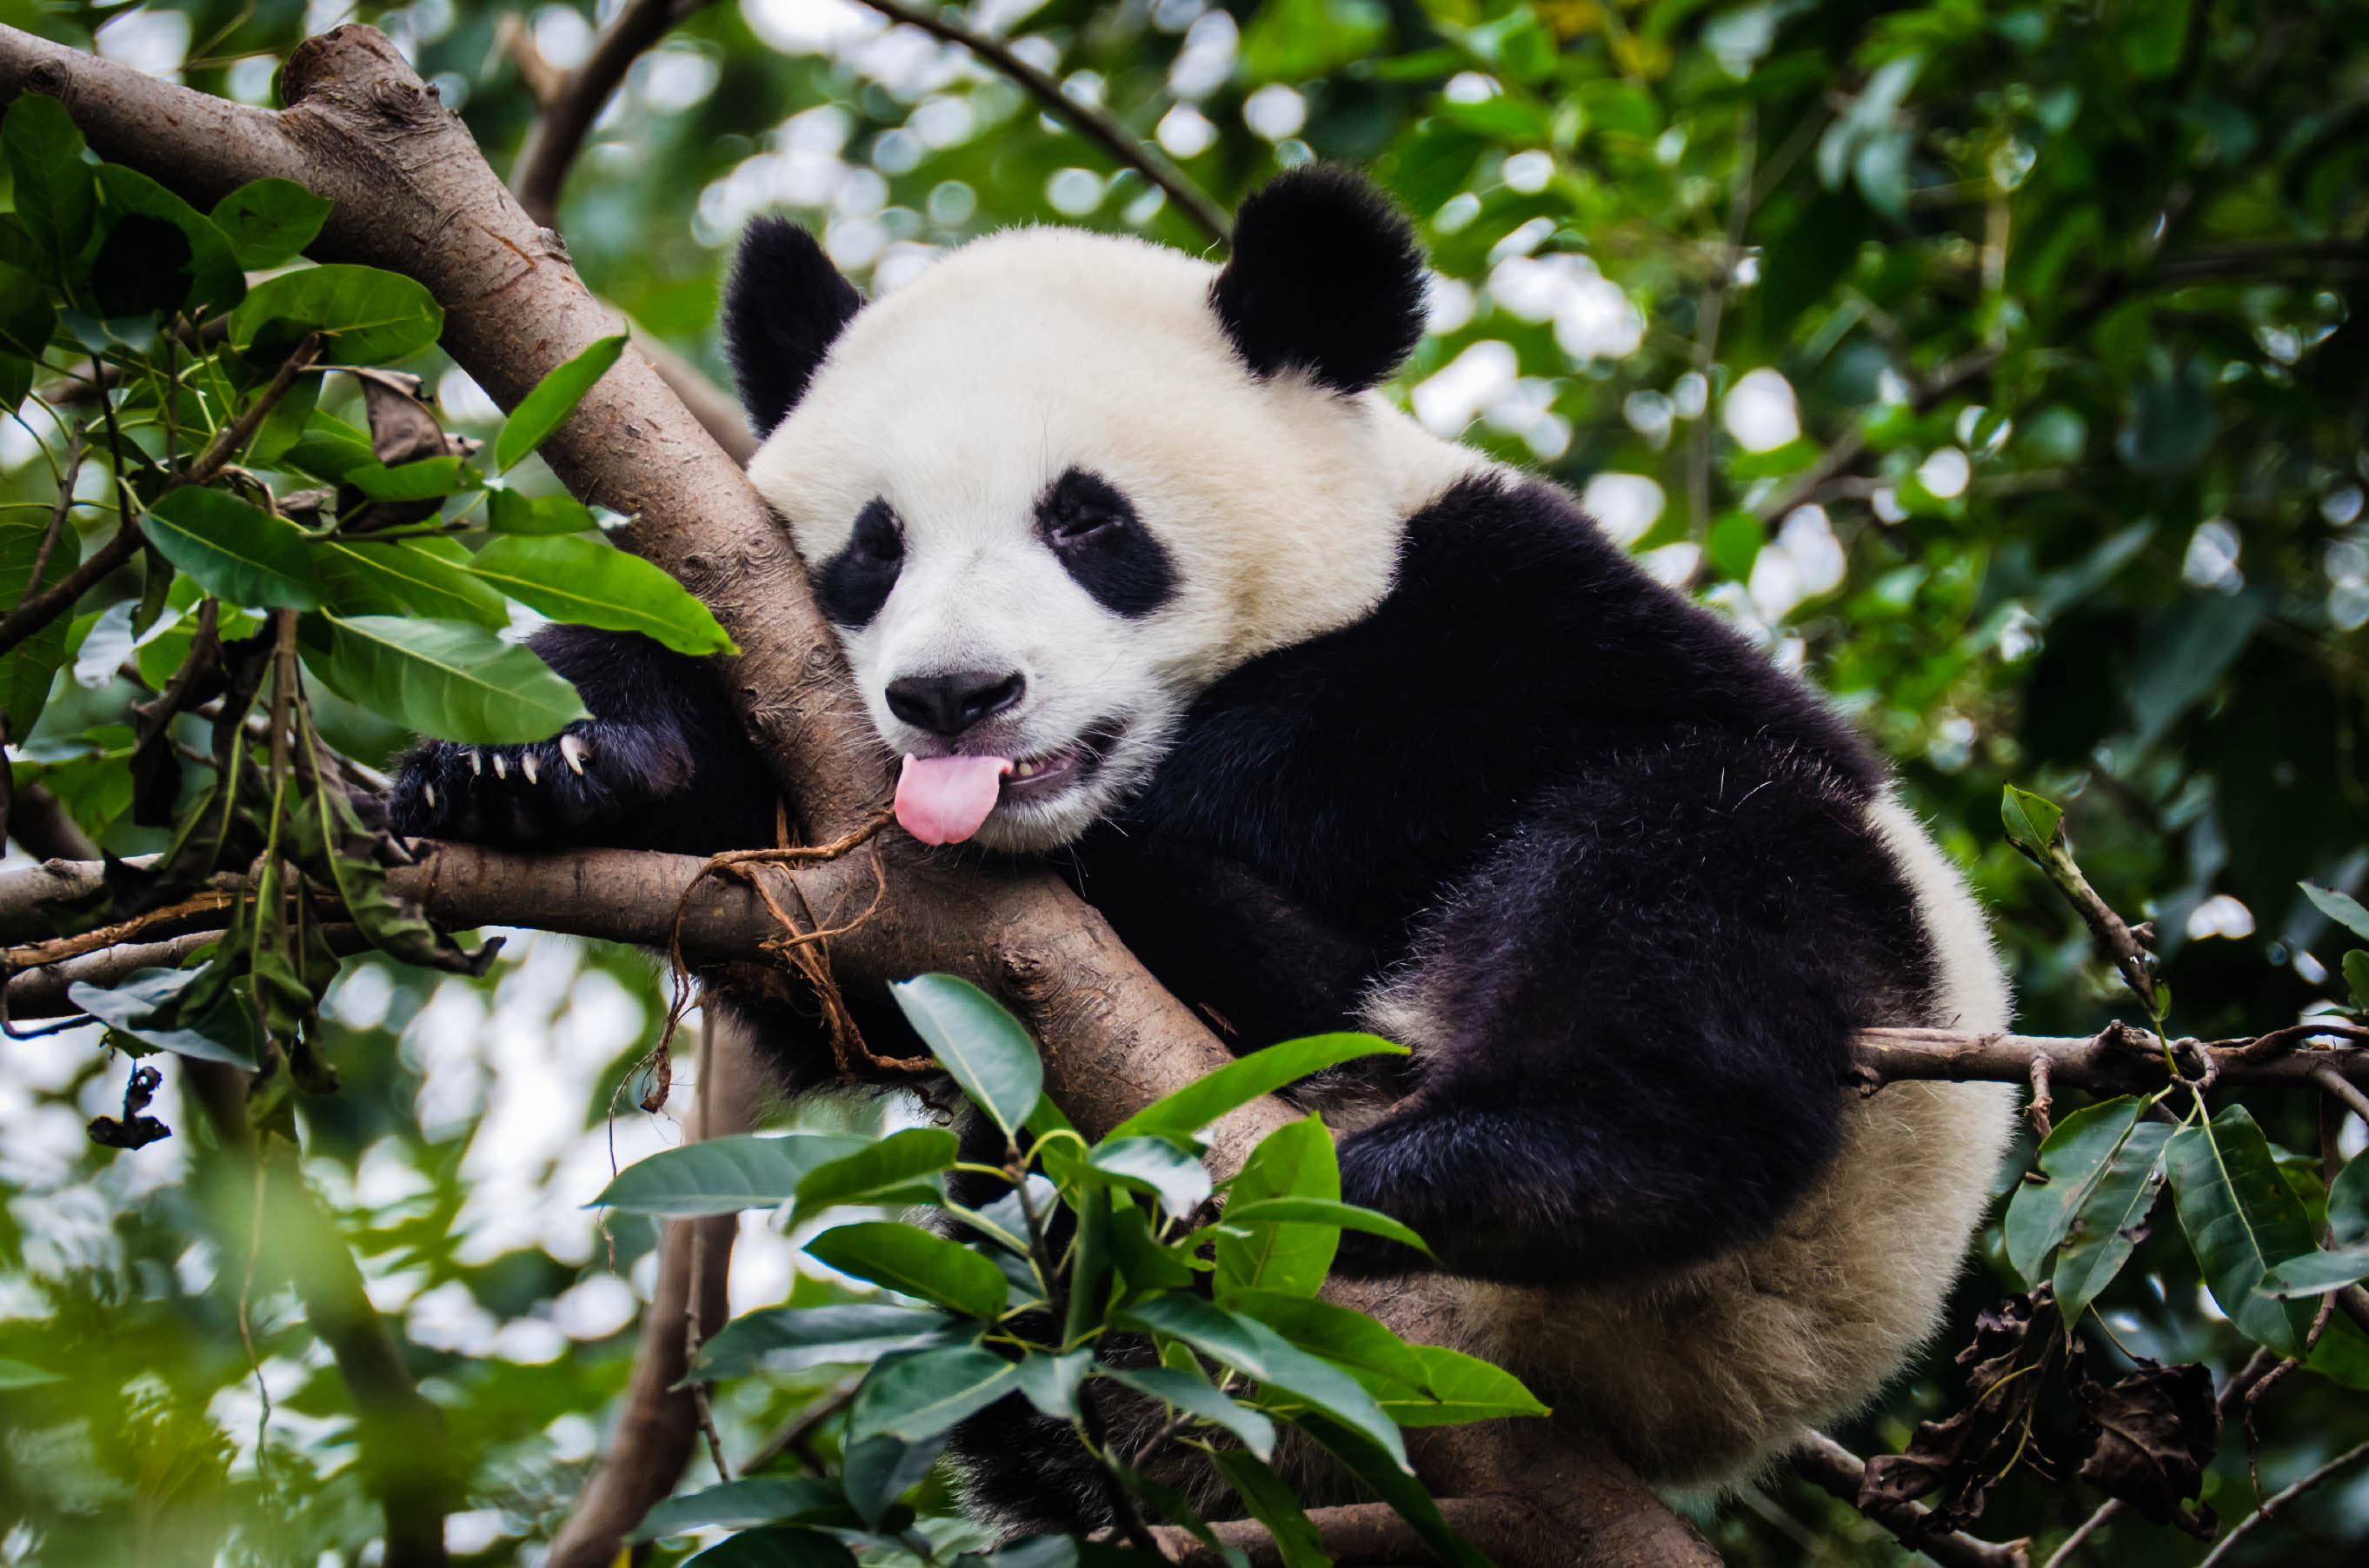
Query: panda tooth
<point x="501" y="766"/>
<point x="526" y="766"/>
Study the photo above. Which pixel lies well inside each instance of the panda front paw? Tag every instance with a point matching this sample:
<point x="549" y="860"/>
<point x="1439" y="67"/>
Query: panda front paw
<point x="594" y="782"/>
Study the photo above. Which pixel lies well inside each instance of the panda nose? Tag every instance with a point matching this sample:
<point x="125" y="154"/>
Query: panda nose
<point x="948" y="704"/>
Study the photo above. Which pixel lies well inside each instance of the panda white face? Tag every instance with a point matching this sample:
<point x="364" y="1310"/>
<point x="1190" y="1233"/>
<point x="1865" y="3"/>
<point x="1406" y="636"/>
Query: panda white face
<point x="1047" y="502"/>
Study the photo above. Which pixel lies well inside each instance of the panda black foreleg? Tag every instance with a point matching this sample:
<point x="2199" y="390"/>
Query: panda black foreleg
<point x="1638" y="1015"/>
<point x="662" y="764"/>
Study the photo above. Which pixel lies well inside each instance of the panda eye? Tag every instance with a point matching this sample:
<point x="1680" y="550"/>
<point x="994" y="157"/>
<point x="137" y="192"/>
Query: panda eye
<point x="877" y="537"/>
<point x="1080" y="506"/>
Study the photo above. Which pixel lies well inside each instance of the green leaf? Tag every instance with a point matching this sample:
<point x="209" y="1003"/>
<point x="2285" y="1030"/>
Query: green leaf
<point x="891" y="1170"/>
<point x="983" y="1047"/>
<point x="2107" y="1226"/>
<point x="26" y="318"/>
<point x="28" y="671"/>
<point x="1139" y="1256"/>
<point x="1387" y="1474"/>
<point x="142" y="268"/>
<point x="1250" y="1346"/>
<point x="56" y="197"/>
<point x="1296" y="1161"/>
<point x="586" y="581"/>
<point x="2356" y="976"/>
<point x="395" y="576"/>
<point x="1270" y="1501"/>
<point x="777" y="1548"/>
<point x="1198" y="1397"/>
<point x="2315" y="1274"/>
<point x="270" y="221"/>
<point x="2341" y="907"/>
<point x="1237" y="1084"/>
<point x="2347" y="1204"/>
<point x="790" y="1339"/>
<point x="17" y="1375"/>
<point x="240" y="552"/>
<point x="141" y="1006"/>
<point x="1051" y="1381"/>
<point x="1323" y="1211"/>
<point x="876" y="1470"/>
<point x="554" y="398"/>
<point x="371" y="317"/>
<point x="1155" y="1166"/>
<point x="723" y="1175"/>
<point x="2074" y="1159"/>
<point x="422" y="479"/>
<point x="514" y="511"/>
<point x="1455" y="1387"/>
<point x="915" y="1397"/>
<point x="448" y="678"/>
<point x="2242" y="1220"/>
<point x="2032" y="822"/>
<point x="216" y="281"/>
<point x="1337" y="1333"/>
<point x="742" y="1504"/>
<point x="906" y="1258"/>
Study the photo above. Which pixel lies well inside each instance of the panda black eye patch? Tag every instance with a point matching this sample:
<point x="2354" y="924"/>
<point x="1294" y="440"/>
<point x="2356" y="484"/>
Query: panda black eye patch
<point x="852" y="585"/>
<point x="1103" y="545"/>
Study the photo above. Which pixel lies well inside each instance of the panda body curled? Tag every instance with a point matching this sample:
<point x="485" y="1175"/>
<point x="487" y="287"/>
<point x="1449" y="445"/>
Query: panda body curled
<point x="1343" y="726"/>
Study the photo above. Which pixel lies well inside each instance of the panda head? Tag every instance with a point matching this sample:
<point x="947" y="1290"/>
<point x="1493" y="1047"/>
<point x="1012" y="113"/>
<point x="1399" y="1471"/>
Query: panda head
<point x="1056" y="485"/>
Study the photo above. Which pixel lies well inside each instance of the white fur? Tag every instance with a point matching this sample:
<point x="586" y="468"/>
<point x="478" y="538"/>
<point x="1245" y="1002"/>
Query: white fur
<point x="962" y="395"/>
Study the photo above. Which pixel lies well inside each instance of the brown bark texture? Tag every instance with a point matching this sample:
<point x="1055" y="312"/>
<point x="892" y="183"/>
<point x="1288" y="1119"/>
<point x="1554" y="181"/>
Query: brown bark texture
<point x="414" y="195"/>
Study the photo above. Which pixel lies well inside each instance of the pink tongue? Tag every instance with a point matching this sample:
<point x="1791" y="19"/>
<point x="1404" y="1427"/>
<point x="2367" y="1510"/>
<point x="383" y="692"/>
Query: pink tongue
<point x="942" y="800"/>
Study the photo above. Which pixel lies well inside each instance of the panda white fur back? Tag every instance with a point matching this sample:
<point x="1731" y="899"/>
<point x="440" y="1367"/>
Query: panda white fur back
<point x="1343" y="724"/>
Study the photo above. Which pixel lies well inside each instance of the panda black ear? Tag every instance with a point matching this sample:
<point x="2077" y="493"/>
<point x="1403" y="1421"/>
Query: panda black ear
<point x="783" y="309"/>
<point x="1327" y="278"/>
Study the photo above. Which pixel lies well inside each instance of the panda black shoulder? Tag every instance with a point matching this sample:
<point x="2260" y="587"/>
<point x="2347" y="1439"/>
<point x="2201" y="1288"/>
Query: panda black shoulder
<point x="1516" y="639"/>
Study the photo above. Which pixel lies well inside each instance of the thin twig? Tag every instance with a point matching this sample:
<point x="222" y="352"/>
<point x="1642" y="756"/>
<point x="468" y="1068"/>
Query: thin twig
<point x="1093" y="124"/>
<point x="2089" y="1527"/>
<point x="1836" y="1471"/>
<point x="2246" y="1525"/>
<point x="1710" y="306"/>
<point x="795" y="1433"/>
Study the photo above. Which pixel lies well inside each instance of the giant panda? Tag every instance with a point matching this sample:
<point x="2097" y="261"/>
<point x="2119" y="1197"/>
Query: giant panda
<point x="1345" y="726"/>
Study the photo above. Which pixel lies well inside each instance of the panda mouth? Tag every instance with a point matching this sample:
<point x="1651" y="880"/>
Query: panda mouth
<point x="1053" y="773"/>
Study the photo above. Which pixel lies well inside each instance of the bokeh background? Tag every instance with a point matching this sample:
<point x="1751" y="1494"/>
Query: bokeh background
<point x="1998" y="365"/>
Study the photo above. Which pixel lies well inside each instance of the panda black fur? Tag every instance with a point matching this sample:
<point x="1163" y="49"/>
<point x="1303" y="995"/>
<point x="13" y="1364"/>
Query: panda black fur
<point x="1343" y="726"/>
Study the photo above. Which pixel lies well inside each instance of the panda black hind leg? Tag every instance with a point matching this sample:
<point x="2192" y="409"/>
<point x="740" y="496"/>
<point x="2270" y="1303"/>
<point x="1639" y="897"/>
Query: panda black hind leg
<point x="1631" y="1021"/>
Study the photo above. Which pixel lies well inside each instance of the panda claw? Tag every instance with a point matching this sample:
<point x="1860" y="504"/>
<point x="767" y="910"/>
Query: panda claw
<point x="476" y="763"/>
<point x="526" y="766"/>
<point x="571" y="749"/>
<point x="501" y="766"/>
<point x="428" y="794"/>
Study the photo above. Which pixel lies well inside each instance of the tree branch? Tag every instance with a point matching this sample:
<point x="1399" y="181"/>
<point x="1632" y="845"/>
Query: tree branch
<point x="1092" y="123"/>
<point x="571" y="104"/>
<point x="659" y="1423"/>
<point x="1836" y="1469"/>
<point x="403" y="1447"/>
